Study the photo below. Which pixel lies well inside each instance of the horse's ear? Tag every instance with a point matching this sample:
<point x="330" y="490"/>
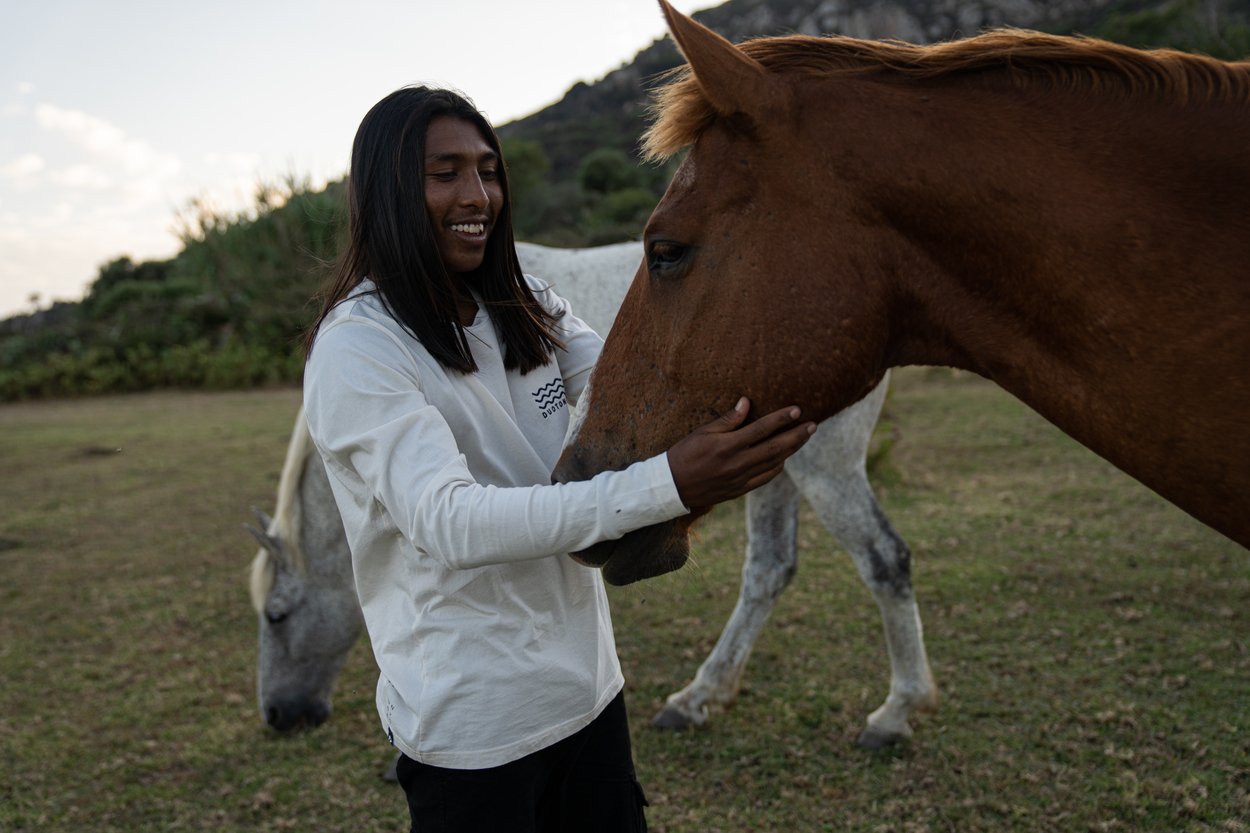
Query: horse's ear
<point x="261" y="534"/>
<point x="264" y="520"/>
<point x="733" y="81"/>
<point x="263" y="538"/>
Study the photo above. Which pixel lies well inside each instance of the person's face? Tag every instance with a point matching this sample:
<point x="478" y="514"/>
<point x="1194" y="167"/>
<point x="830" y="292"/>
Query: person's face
<point x="463" y="194"/>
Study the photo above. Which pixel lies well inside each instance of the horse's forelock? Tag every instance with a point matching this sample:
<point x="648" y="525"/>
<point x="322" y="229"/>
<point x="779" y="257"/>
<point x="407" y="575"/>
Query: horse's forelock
<point x="681" y="112"/>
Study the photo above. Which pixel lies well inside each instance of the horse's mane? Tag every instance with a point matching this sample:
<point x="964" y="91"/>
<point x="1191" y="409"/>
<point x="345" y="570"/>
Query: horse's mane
<point x="285" y="523"/>
<point x="1025" y="58"/>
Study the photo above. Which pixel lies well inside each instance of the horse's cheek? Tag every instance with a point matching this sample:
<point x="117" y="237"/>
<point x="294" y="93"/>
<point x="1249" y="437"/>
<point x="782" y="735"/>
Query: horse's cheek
<point x="639" y="421"/>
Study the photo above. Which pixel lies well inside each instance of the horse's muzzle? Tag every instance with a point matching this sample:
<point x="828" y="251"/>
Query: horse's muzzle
<point x="641" y="554"/>
<point x="644" y="553"/>
<point x="595" y="555"/>
<point x="292" y="715"/>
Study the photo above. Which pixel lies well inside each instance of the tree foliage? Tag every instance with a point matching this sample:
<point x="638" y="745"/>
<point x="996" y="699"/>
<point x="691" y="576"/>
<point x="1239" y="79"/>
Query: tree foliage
<point x="227" y="311"/>
<point x="1217" y="28"/>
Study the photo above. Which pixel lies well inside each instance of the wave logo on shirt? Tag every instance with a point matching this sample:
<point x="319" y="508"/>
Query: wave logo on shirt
<point x="550" y="397"/>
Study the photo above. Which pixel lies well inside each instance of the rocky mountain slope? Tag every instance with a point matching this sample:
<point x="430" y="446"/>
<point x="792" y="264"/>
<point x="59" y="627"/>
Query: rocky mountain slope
<point x="610" y="112"/>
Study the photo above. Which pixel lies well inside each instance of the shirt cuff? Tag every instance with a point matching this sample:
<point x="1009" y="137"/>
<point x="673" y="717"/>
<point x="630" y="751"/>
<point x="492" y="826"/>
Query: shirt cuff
<point x="668" y="486"/>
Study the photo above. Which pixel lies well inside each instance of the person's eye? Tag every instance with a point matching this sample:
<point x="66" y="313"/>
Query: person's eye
<point x="490" y="174"/>
<point x="443" y="176"/>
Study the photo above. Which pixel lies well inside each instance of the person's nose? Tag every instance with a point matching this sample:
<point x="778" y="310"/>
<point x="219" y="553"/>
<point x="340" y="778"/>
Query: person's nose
<point x="473" y="193"/>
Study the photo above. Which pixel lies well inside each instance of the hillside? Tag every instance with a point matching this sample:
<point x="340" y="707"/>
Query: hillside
<point x="611" y="112"/>
<point x="227" y="311"/>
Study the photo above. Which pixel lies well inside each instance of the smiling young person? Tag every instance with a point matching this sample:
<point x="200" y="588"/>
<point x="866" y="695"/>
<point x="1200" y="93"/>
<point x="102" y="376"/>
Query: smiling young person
<point x="437" y="392"/>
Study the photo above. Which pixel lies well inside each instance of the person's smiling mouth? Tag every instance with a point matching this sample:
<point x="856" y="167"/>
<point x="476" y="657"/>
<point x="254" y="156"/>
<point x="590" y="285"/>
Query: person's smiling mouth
<point x="474" y="228"/>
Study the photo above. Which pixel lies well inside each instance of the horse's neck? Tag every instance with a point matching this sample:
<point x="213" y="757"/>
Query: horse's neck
<point x="1103" y="282"/>
<point x="322" y="539"/>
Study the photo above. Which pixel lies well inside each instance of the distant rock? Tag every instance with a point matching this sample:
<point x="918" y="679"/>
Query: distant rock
<point x="610" y="112"/>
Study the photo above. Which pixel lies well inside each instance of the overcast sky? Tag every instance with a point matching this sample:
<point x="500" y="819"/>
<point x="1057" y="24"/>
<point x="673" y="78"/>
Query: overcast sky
<point x="114" y="115"/>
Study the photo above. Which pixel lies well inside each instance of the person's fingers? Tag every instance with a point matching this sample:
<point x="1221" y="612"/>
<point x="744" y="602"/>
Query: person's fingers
<point x="757" y="465"/>
<point x="767" y="425"/>
<point x="760" y="479"/>
<point x="731" y="419"/>
<point x="721" y="460"/>
<point x="774" y="449"/>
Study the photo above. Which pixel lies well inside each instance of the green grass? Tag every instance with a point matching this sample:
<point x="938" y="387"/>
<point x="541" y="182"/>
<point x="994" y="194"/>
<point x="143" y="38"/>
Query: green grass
<point x="1092" y="643"/>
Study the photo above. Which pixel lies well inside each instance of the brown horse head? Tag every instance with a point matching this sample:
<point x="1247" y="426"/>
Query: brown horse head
<point x="754" y="226"/>
<point x="1015" y="204"/>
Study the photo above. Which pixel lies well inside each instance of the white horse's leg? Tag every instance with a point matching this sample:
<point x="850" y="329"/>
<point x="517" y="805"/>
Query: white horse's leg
<point x="772" y="522"/>
<point x="884" y="563"/>
<point x="834" y="482"/>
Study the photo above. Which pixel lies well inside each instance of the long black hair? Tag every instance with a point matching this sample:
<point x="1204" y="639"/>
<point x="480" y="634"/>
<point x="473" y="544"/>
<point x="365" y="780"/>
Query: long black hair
<point x="391" y="240"/>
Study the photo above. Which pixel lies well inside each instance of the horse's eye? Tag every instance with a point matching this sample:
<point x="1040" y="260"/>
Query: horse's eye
<point x="665" y="258"/>
<point x="275" y="617"/>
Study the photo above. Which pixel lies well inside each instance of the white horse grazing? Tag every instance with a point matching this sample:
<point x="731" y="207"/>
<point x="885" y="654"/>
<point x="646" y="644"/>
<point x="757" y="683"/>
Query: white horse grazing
<point x="301" y="578"/>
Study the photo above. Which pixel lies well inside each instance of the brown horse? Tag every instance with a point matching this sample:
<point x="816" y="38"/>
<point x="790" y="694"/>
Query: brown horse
<point x="1067" y="217"/>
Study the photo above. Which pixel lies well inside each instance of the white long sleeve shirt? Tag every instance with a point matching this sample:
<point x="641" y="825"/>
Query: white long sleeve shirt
<point x="492" y="643"/>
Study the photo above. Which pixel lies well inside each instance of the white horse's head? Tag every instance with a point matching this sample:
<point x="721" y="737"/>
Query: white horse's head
<point x="306" y="607"/>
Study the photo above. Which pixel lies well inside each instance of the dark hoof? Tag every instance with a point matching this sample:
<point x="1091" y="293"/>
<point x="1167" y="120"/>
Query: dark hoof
<point x="672" y="720"/>
<point x="877" y="739"/>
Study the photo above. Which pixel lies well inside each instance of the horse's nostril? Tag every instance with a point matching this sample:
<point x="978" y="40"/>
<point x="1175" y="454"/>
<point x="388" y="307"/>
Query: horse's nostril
<point x="293" y="715"/>
<point x="564" y="471"/>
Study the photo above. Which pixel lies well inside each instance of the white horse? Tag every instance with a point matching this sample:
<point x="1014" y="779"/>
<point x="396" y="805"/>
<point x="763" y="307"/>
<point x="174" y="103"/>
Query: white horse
<point x="301" y="582"/>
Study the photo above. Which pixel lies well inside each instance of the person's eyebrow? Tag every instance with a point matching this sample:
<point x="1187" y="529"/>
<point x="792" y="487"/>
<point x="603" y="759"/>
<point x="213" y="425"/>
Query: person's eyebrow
<point x="488" y="156"/>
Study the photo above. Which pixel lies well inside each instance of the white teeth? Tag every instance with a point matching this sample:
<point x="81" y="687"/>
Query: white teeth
<point x="469" y="228"/>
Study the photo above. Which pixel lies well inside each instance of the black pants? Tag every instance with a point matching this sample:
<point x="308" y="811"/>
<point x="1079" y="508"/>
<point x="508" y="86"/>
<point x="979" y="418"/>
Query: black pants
<point x="583" y="783"/>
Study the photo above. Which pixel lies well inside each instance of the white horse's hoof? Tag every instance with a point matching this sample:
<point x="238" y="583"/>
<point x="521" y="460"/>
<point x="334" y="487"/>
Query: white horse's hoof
<point x="874" y="739"/>
<point x="391" y="775"/>
<point x="673" y="720"/>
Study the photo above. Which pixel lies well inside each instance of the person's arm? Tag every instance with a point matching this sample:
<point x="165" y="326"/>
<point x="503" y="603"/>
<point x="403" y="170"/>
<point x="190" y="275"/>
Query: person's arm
<point x="381" y="437"/>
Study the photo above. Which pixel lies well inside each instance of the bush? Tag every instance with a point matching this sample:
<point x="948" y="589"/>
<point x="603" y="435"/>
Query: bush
<point x="193" y="365"/>
<point x="630" y="207"/>
<point x="243" y="366"/>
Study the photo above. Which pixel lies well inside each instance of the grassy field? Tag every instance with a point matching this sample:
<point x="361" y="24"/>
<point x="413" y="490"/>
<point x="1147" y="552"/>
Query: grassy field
<point x="1091" y="642"/>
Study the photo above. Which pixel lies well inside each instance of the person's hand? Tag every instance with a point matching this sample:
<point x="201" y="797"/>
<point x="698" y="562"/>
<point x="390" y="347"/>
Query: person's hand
<point x="721" y="460"/>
